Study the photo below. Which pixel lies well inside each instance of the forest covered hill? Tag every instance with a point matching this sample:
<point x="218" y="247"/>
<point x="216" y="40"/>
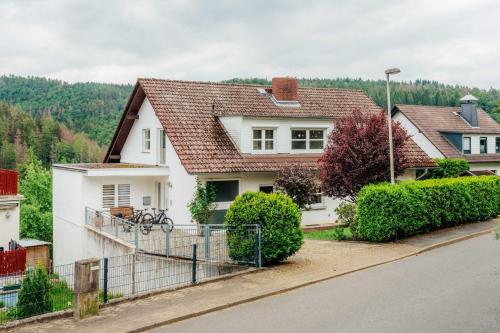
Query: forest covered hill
<point x="74" y="122"/>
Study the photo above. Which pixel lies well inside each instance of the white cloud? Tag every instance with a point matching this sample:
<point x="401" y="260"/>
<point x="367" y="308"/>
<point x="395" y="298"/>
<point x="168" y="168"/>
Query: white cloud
<point x="117" y="41"/>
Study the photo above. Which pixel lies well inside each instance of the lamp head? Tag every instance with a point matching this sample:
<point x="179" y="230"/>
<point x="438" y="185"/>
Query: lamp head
<point x="392" y="71"/>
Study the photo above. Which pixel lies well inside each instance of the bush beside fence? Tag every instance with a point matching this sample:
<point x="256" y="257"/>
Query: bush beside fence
<point x="387" y="212"/>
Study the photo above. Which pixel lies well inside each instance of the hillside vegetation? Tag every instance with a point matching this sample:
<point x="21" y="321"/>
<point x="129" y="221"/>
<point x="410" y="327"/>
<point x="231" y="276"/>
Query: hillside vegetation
<point x="49" y="140"/>
<point x="92" y="108"/>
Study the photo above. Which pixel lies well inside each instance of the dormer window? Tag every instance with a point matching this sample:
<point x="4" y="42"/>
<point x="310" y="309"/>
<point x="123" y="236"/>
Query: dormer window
<point x="308" y="139"/>
<point x="483" y="145"/>
<point x="466" y="145"/>
<point x="263" y="139"/>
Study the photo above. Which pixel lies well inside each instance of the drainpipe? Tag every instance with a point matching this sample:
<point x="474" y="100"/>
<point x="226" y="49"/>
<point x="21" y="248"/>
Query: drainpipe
<point x="423" y="175"/>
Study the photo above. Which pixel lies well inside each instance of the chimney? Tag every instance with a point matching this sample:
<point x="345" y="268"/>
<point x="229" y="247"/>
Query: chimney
<point x="285" y="89"/>
<point x="468" y="111"/>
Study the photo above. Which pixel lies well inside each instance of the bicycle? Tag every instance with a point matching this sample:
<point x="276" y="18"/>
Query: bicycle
<point x="165" y="222"/>
<point x="139" y="218"/>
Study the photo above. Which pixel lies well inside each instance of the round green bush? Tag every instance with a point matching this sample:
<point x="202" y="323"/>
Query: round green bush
<point x="279" y="218"/>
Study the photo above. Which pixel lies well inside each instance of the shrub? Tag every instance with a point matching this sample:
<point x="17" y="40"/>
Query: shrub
<point x="449" y="168"/>
<point x="298" y="183"/>
<point x="387" y="212"/>
<point x="202" y="206"/>
<point x="346" y="212"/>
<point x="34" y="297"/>
<point x="279" y="218"/>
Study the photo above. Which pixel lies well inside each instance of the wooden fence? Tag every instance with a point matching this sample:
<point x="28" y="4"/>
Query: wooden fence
<point x="12" y="262"/>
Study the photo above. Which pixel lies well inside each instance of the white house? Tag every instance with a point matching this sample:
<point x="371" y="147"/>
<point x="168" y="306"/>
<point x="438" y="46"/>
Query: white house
<point x="466" y="132"/>
<point x="233" y="136"/>
<point x="10" y="202"/>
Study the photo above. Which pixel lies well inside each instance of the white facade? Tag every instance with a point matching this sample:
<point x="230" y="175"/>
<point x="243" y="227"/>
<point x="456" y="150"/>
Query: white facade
<point x="9" y="219"/>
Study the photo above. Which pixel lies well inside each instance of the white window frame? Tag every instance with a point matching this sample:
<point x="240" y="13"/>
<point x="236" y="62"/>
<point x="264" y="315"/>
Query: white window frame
<point x="263" y="139"/>
<point x="161" y="134"/>
<point x="467" y="151"/>
<point x="307" y="139"/>
<point x="146" y="140"/>
<point x="485" y="145"/>
<point x="224" y="205"/>
<point x="321" y="204"/>
<point x="115" y="195"/>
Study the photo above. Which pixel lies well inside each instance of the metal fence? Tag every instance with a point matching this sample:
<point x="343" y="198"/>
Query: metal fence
<point x="36" y="292"/>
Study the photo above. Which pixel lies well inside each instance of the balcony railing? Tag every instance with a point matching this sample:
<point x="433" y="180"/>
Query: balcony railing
<point x="8" y="182"/>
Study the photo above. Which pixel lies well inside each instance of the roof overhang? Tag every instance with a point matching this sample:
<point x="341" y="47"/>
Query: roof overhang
<point x="125" y="125"/>
<point x="121" y="170"/>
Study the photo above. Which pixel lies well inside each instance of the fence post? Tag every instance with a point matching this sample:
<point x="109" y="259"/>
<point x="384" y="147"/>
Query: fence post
<point x="167" y="243"/>
<point x="105" y="282"/>
<point x="86" y="288"/>
<point x="136" y="236"/>
<point x="193" y="280"/>
<point x="207" y="242"/>
<point x="258" y="260"/>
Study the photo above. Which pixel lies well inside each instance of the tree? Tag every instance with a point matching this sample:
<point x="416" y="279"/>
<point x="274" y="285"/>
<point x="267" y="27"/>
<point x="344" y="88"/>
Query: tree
<point x="298" y="183"/>
<point x="34" y="297"/>
<point x="202" y="206"/>
<point x="36" y="210"/>
<point x="357" y="154"/>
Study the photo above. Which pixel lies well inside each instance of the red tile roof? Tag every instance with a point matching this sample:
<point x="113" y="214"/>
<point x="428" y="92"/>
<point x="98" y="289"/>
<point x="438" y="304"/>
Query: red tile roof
<point x="482" y="158"/>
<point x="432" y="121"/>
<point x="188" y="111"/>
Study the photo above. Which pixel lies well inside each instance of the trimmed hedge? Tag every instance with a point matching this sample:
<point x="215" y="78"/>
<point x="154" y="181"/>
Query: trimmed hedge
<point x="387" y="212"/>
<point x="279" y="218"/>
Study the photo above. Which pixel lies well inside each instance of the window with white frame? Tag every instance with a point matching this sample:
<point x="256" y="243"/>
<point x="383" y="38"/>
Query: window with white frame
<point x="308" y="139"/>
<point x="115" y="195"/>
<point x="146" y="140"/>
<point x="483" y="145"/>
<point x="263" y="139"/>
<point x="466" y="145"/>
<point x="316" y="198"/>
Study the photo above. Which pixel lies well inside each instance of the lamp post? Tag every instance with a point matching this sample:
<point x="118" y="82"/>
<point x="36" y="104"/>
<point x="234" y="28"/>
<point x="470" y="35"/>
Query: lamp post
<point x="388" y="72"/>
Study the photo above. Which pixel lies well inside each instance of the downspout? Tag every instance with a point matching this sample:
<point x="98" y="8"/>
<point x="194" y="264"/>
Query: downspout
<point x="423" y="175"/>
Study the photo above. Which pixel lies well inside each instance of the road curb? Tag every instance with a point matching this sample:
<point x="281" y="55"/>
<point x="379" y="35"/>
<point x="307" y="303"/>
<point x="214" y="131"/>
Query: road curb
<point x="285" y="290"/>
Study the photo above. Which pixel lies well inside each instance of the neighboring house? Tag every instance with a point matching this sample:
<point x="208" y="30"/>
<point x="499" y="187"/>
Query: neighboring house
<point x="9" y="208"/>
<point x="454" y="132"/>
<point x="233" y="136"/>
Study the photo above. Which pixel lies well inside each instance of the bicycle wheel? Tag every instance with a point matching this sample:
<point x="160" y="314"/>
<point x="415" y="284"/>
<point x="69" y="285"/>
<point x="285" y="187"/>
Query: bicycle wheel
<point x="167" y="225"/>
<point x="146" y="224"/>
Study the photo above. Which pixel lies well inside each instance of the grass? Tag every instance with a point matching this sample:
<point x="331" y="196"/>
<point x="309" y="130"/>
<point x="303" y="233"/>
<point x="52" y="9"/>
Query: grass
<point x="337" y="233"/>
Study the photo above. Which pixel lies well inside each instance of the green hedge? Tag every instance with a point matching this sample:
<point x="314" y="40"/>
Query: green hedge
<point x="386" y="212"/>
<point x="279" y="218"/>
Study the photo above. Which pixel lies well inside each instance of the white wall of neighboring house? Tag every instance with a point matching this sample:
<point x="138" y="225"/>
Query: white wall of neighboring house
<point x="419" y="138"/>
<point x="9" y="219"/>
<point x="474" y="138"/>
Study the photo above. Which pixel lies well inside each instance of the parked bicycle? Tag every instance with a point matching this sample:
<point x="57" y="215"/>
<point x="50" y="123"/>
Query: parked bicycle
<point x="165" y="222"/>
<point x="140" y="217"/>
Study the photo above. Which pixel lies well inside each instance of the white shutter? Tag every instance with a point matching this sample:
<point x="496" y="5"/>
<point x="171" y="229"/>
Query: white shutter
<point x="123" y="194"/>
<point x="108" y="196"/>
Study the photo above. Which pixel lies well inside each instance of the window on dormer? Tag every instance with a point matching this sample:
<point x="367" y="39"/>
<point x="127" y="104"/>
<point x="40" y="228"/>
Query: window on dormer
<point x="263" y="139"/>
<point x="466" y="145"/>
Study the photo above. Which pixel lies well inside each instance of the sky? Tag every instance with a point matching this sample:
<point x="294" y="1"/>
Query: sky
<point x="455" y="42"/>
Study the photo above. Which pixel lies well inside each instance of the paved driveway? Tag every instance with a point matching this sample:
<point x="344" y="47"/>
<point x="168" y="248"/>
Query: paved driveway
<point x="451" y="289"/>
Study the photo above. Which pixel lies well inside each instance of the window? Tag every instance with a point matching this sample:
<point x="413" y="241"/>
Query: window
<point x="114" y="195"/>
<point x="263" y="139"/>
<point x="162" y="147"/>
<point x="483" y="145"/>
<point x="497" y="145"/>
<point x="317" y="198"/>
<point x="466" y="145"/>
<point x="146" y="140"/>
<point x="266" y="188"/>
<point x="308" y="139"/>
<point x="225" y="190"/>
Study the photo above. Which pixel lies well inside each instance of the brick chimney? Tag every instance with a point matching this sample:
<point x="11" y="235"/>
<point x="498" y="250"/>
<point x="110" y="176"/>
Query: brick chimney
<point x="285" y="88"/>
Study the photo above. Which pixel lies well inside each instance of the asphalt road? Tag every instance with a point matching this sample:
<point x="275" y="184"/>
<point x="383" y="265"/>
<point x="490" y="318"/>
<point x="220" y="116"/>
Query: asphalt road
<point x="451" y="289"/>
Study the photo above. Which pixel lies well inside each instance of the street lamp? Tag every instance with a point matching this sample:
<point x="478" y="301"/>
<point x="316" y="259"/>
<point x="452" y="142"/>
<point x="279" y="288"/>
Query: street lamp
<point x="390" y="71"/>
